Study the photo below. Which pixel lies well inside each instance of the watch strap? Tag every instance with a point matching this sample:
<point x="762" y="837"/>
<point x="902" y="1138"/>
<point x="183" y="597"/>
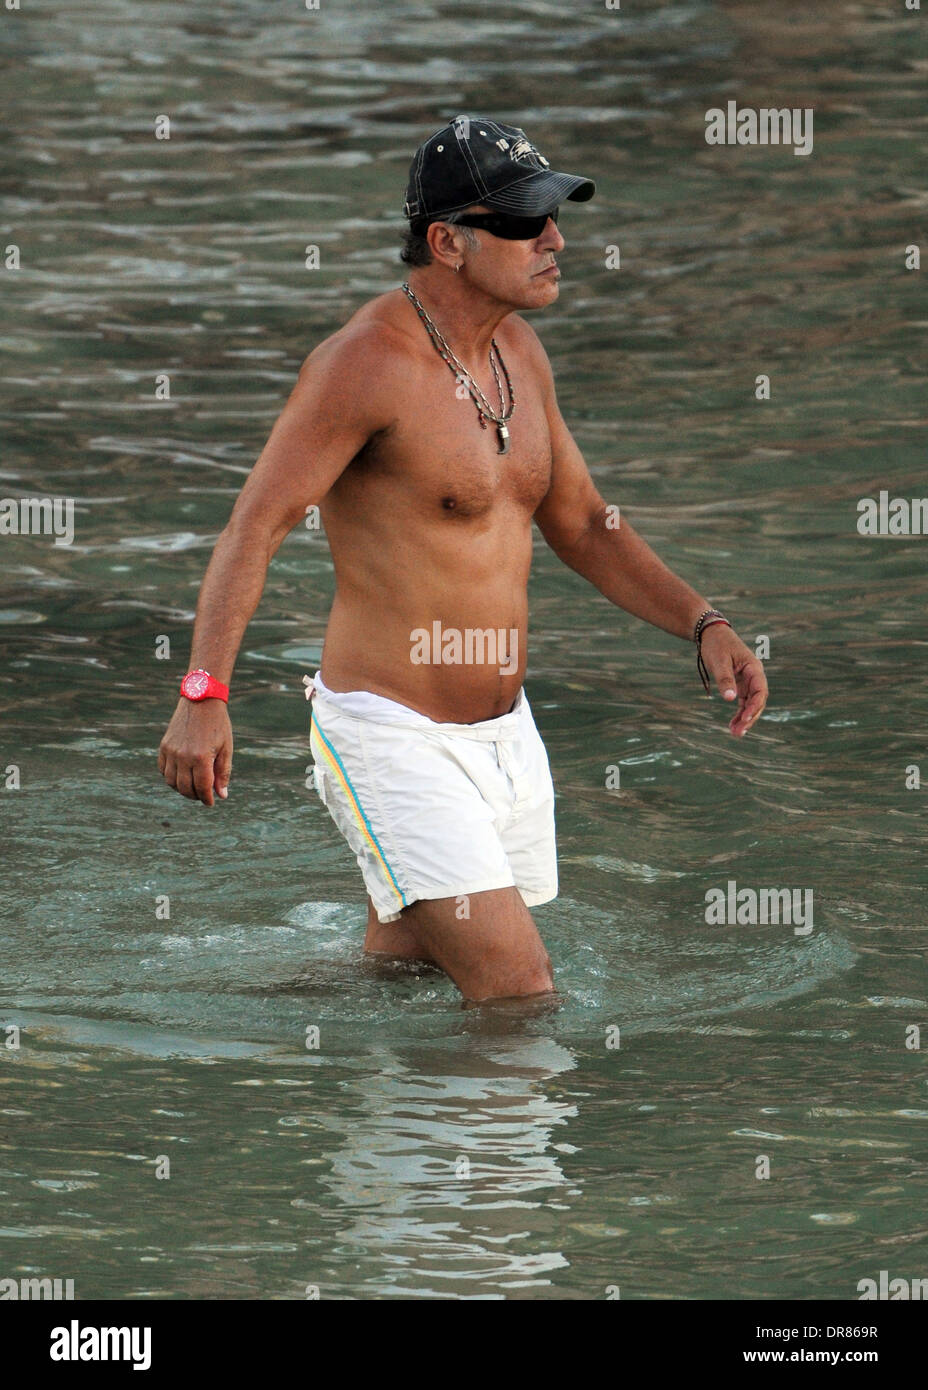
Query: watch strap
<point x="215" y="690"/>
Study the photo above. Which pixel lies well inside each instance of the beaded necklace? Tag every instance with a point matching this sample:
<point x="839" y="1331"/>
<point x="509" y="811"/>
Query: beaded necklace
<point x="484" y="410"/>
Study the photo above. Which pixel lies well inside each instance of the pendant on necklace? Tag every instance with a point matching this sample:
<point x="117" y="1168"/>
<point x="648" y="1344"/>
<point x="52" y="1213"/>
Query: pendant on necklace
<point x="503" y="431"/>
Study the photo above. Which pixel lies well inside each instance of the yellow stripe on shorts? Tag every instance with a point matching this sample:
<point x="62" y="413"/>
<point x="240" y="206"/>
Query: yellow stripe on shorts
<point x="335" y="762"/>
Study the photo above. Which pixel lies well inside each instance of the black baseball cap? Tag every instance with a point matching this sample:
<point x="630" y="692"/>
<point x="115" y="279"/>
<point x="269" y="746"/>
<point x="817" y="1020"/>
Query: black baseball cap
<point x="476" y="160"/>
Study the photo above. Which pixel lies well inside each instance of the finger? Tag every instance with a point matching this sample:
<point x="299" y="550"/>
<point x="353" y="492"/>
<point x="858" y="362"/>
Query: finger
<point x="744" y="719"/>
<point x="223" y="770"/>
<point x="184" y="781"/>
<point x="724" y="673"/>
<point x="753" y="701"/>
<point x="203" y="780"/>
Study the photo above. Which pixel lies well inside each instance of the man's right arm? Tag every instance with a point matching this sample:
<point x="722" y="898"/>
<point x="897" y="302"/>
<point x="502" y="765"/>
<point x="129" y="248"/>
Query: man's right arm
<point x="340" y="399"/>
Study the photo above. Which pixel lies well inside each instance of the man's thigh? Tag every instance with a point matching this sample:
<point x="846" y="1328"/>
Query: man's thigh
<point x="393" y="939"/>
<point x="487" y="942"/>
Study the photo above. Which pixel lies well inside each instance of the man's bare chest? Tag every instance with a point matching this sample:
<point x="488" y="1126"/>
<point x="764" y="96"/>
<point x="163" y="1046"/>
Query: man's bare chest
<point x="437" y="451"/>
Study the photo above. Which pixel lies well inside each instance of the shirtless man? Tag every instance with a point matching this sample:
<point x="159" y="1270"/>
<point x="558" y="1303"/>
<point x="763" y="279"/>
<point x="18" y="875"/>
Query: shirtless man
<point x="429" y="452"/>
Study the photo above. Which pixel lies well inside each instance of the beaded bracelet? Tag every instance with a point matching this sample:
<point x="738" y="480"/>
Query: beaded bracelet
<point x="706" y="619"/>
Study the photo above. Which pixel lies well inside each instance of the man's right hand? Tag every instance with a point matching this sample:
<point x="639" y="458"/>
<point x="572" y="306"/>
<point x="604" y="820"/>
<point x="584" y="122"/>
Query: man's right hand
<point x="195" y="756"/>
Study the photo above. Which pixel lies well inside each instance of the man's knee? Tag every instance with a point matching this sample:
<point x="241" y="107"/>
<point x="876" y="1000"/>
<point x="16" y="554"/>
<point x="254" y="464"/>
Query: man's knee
<point x="494" y="953"/>
<point x="540" y="979"/>
<point x="524" y="977"/>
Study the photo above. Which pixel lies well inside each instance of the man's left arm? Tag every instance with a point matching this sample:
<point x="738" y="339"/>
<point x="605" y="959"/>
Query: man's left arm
<point x="581" y="529"/>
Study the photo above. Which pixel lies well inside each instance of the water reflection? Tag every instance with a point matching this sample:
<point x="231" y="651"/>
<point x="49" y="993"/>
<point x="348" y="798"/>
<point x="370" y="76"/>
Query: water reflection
<point x="187" y="257"/>
<point x="435" y="1158"/>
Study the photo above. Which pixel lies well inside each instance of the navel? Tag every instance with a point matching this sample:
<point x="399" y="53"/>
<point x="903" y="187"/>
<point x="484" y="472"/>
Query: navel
<point x="448" y="503"/>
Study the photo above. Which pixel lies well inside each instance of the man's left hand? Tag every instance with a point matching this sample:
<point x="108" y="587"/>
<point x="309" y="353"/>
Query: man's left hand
<point x="737" y="672"/>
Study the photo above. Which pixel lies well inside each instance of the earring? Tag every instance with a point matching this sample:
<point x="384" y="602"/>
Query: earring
<point x="456" y="269"/>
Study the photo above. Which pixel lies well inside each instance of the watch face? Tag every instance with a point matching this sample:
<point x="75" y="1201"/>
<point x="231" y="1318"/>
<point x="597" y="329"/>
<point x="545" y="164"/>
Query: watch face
<point x="195" y="684"/>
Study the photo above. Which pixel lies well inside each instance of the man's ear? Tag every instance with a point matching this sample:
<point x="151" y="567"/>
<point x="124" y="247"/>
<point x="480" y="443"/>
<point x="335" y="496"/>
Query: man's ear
<point x="443" y="241"/>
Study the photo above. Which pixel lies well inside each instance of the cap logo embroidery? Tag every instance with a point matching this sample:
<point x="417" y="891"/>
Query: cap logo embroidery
<point x="522" y="147"/>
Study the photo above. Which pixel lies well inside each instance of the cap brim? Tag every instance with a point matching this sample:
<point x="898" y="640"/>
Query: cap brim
<point x="541" y="191"/>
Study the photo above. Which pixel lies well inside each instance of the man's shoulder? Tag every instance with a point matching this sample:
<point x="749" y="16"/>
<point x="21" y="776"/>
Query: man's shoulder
<point x="359" y="371"/>
<point x="523" y="338"/>
<point x="372" y="337"/>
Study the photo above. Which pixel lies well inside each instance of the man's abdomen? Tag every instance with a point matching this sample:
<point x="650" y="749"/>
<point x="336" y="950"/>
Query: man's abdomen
<point x="454" y="662"/>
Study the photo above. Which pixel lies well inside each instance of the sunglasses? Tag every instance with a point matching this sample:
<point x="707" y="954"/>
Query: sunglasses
<point x="503" y="224"/>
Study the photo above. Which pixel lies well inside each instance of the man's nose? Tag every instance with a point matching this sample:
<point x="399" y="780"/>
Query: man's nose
<point x="551" y="238"/>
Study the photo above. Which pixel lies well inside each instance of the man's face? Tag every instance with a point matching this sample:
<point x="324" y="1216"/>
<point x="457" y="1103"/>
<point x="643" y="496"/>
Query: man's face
<point x="521" y="274"/>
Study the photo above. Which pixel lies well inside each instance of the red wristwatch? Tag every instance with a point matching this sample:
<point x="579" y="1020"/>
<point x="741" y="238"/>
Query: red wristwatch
<point x="200" y="685"/>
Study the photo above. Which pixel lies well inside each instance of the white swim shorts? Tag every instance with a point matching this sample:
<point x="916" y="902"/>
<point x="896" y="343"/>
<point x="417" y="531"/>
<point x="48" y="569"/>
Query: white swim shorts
<point x="435" y="810"/>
